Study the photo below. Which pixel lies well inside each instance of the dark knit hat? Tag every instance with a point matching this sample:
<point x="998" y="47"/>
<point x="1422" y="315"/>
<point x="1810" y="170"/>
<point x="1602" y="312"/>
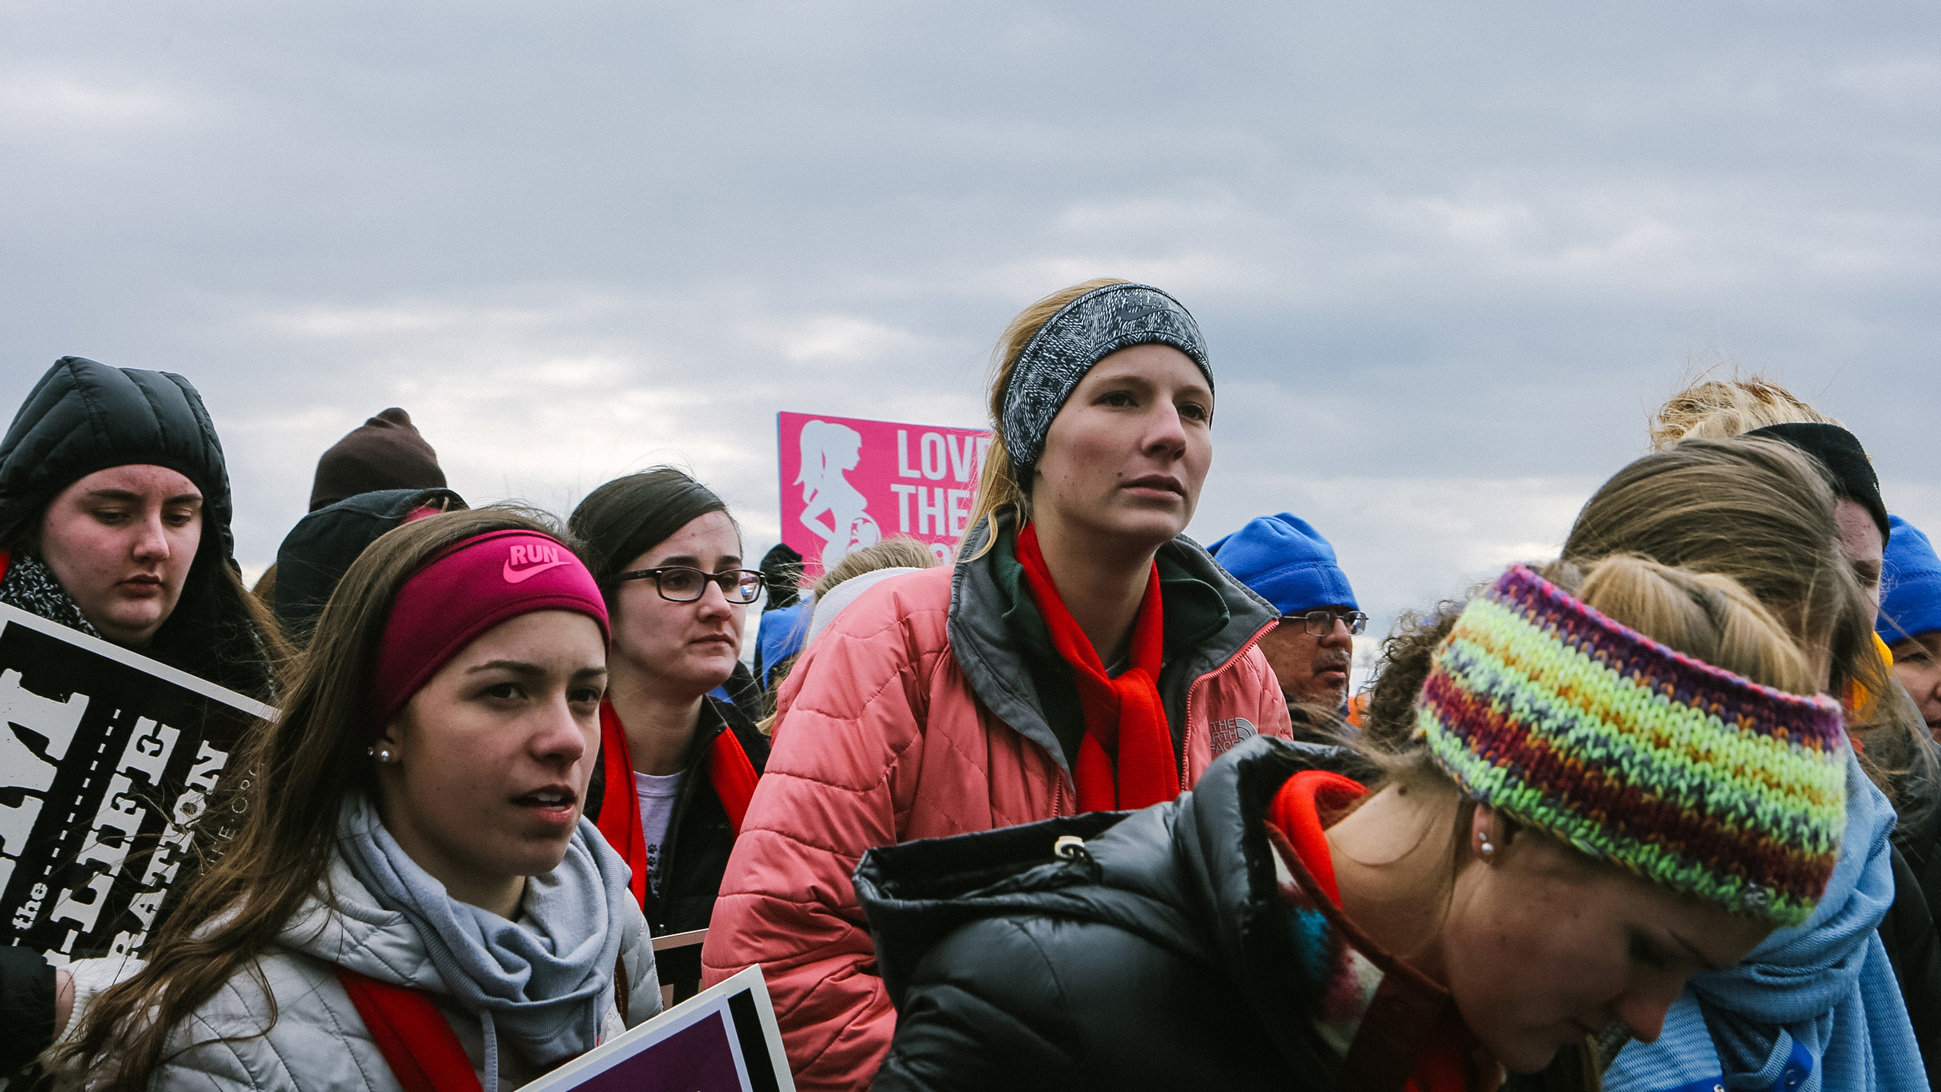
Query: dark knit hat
<point x="1839" y="451"/>
<point x="385" y="452"/>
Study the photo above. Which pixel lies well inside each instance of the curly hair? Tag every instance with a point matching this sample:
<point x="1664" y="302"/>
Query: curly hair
<point x="1388" y="723"/>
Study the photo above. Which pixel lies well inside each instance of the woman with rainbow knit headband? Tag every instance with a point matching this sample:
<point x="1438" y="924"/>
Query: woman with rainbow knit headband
<point x="1623" y="777"/>
<point x="1080" y="656"/>
<point x="413" y="899"/>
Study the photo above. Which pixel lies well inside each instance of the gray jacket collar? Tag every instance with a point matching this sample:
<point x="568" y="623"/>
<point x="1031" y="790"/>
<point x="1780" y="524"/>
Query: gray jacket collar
<point x="997" y="673"/>
<point x="346" y="926"/>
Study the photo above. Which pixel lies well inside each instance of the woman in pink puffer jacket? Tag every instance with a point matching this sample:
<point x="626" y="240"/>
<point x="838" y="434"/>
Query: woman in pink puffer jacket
<point x="1082" y="655"/>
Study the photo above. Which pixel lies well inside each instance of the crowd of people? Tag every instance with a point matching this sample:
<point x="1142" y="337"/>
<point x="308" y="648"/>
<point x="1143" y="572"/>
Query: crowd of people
<point x="1089" y="806"/>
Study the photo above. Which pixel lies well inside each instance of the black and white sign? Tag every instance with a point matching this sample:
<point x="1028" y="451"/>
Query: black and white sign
<point x="106" y="759"/>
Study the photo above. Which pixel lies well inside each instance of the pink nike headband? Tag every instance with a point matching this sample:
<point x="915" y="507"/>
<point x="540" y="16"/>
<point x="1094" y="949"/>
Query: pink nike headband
<point x="464" y="592"/>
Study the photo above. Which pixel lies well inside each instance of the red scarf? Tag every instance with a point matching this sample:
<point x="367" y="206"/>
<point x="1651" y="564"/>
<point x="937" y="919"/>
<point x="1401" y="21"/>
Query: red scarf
<point x="418" y="1044"/>
<point x="1447" y="1060"/>
<point x="729" y="771"/>
<point x="1126" y="759"/>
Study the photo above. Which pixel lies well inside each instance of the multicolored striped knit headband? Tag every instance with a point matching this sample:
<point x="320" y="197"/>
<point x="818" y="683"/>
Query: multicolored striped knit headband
<point x="1685" y="774"/>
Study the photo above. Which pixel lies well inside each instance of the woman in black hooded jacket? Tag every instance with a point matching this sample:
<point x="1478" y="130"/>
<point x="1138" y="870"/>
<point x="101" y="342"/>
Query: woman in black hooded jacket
<point x="114" y="521"/>
<point x="1556" y="857"/>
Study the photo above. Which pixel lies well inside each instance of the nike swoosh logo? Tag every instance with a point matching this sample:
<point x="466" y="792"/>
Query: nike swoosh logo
<point x="516" y="576"/>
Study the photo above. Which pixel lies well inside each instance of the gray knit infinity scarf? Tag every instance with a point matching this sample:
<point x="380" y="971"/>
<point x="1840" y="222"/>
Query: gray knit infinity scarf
<point x="544" y="982"/>
<point x="33" y="587"/>
<point x="1079" y="335"/>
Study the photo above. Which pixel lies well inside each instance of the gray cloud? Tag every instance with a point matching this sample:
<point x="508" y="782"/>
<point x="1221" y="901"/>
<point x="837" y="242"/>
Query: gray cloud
<point x="1446" y="257"/>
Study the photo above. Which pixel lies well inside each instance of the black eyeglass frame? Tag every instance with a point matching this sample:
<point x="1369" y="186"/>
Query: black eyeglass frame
<point x="1355" y="620"/>
<point x="742" y="578"/>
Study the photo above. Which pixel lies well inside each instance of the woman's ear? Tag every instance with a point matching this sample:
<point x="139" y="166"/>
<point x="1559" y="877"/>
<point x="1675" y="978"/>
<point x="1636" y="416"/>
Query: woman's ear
<point x="1489" y="833"/>
<point x="387" y="749"/>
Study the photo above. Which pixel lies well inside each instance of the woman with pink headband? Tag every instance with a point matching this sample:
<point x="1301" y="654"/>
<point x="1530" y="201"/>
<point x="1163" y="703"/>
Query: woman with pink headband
<point x="414" y="899"/>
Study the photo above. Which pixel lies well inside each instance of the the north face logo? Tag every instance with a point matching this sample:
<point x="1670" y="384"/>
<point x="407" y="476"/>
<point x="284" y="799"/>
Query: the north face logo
<point x="1226" y="734"/>
<point x="527" y="561"/>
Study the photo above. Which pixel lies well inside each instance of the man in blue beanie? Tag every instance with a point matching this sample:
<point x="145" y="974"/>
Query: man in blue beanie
<point x="1910" y="615"/>
<point x="1287" y="562"/>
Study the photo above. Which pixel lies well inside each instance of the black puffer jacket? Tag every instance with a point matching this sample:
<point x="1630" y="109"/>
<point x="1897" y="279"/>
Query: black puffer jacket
<point x="1911" y="931"/>
<point x="1160" y="955"/>
<point x="83" y="417"/>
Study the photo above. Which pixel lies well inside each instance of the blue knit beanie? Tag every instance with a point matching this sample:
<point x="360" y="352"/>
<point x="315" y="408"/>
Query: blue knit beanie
<point x="1910" y="585"/>
<point x="1287" y="563"/>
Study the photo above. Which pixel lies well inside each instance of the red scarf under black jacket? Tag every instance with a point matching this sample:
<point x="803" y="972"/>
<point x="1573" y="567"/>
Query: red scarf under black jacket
<point x="729" y="771"/>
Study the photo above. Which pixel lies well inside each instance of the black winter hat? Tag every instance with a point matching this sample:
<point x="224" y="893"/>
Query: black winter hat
<point x="85" y="416"/>
<point x="385" y="452"/>
<point x="321" y="547"/>
<point x="782" y="574"/>
<point x="1839" y="451"/>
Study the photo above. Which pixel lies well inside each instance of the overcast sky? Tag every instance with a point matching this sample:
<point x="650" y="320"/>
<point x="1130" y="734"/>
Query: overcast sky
<point x="1447" y="257"/>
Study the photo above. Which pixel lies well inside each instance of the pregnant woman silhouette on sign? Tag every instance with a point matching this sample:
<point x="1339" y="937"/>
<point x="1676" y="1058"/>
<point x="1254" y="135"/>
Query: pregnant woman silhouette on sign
<point x="827" y="451"/>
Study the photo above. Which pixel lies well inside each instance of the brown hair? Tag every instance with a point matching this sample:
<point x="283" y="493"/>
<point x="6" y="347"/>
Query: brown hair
<point x="998" y="487"/>
<point x="1707" y="616"/>
<point x="634" y="513"/>
<point x="290" y="783"/>
<point x="1388" y="722"/>
<point x="1762" y="513"/>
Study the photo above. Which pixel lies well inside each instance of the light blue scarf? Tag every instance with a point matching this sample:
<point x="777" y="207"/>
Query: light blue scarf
<point x="1812" y="1008"/>
<point x="545" y="982"/>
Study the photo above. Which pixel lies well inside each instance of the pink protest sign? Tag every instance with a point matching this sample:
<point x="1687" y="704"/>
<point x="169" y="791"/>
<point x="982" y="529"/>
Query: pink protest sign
<point x="849" y="483"/>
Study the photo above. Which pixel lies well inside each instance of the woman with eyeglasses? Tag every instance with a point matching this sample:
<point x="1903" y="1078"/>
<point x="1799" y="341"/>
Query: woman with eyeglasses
<point x="677" y="765"/>
<point x="1082" y="655"/>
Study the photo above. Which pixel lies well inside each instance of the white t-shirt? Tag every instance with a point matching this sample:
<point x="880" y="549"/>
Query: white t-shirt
<point x="656" y="792"/>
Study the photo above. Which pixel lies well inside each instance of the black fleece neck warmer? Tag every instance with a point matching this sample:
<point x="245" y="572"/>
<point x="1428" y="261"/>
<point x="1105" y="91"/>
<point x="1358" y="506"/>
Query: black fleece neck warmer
<point x="1840" y="452"/>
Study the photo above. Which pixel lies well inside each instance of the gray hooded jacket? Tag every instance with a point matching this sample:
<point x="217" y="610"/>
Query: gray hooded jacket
<point x="318" y="1040"/>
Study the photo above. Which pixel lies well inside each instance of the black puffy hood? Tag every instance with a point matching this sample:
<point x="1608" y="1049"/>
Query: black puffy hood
<point x="84" y="416"/>
<point x="1195" y="876"/>
<point x="318" y="551"/>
